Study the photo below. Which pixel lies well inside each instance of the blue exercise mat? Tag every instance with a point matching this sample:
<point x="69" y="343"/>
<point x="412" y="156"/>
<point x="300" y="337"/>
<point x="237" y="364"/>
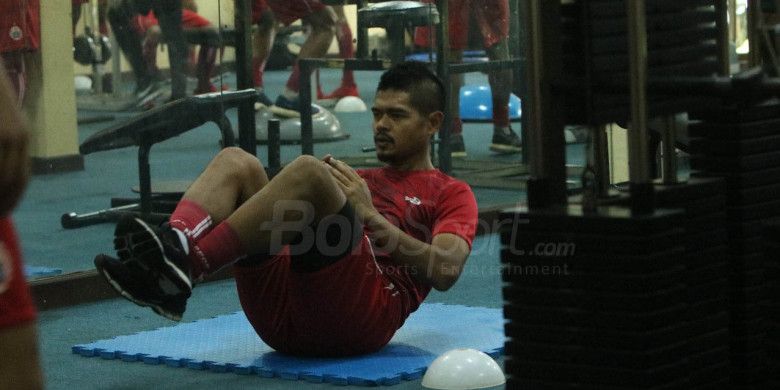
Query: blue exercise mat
<point x="228" y="343"/>
<point x="37" y="271"/>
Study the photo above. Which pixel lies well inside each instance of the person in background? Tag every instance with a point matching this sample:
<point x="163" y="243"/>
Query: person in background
<point x="19" y="357"/>
<point x="20" y="33"/>
<point x="266" y="14"/>
<point x="197" y="31"/>
<point x="348" y="87"/>
<point x="169" y="14"/>
<point x="492" y="19"/>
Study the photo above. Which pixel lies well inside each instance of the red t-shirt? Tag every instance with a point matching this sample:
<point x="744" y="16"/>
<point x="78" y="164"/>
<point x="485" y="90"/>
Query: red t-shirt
<point x="348" y="307"/>
<point x="16" y="306"/>
<point x="422" y="204"/>
<point x="20" y="25"/>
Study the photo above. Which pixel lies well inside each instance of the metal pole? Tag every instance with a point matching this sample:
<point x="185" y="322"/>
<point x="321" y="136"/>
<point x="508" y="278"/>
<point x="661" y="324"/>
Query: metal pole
<point x="601" y="159"/>
<point x="246" y="110"/>
<point x="722" y="9"/>
<point x="754" y="36"/>
<point x="669" y="160"/>
<point x="443" y="63"/>
<point x="532" y="105"/>
<point x="638" y="156"/>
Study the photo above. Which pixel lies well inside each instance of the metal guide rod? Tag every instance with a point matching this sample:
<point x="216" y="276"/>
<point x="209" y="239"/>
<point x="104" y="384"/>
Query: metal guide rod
<point x="753" y="34"/>
<point x="443" y="64"/>
<point x="246" y="110"/>
<point x="721" y="10"/>
<point x="116" y="61"/>
<point x="533" y="109"/>
<point x="637" y="52"/>
<point x="669" y="160"/>
<point x="601" y="159"/>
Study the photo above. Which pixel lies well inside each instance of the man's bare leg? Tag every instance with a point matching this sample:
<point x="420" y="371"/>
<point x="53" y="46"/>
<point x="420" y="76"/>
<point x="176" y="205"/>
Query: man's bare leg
<point x="234" y="188"/>
<point x="505" y="140"/>
<point x="262" y="43"/>
<point x="316" y="46"/>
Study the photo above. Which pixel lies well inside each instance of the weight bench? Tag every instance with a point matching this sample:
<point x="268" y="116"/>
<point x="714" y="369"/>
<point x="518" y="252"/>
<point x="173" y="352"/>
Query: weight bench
<point x="145" y="130"/>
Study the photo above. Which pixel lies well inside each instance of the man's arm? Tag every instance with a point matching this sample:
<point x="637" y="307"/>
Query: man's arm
<point x="19" y="367"/>
<point x="14" y="163"/>
<point x="438" y="263"/>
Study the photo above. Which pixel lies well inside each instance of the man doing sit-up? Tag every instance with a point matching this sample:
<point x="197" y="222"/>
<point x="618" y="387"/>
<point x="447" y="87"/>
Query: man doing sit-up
<point x="328" y="260"/>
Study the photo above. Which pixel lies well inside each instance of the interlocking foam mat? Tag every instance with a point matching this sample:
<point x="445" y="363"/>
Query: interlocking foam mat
<point x="229" y="344"/>
<point x="38" y="272"/>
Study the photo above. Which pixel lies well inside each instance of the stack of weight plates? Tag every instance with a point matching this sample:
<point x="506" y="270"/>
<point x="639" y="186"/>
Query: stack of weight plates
<point x="772" y="269"/>
<point x="599" y="300"/>
<point x="706" y="257"/>
<point x="743" y="146"/>
<point x="681" y="41"/>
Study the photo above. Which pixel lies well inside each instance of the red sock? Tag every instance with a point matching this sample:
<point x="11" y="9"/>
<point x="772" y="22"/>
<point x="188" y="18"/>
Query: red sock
<point x="293" y="83"/>
<point x="191" y="219"/>
<point x="258" y="67"/>
<point x="219" y="247"/>
<point x="344" y="39"/>
<point x="210" y="247"/>
<point x="500" y="114"/>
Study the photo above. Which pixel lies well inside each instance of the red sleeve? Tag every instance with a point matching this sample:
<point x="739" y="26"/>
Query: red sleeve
<point x="16" y="306"/>
<point x="457" y="212"/>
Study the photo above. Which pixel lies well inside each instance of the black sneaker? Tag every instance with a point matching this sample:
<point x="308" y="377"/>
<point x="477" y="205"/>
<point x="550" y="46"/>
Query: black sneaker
<point x="289" y="108"/>
<point x="506" y="141"/>
<point x="457" y="146"/>
<point x="152" y="268"/>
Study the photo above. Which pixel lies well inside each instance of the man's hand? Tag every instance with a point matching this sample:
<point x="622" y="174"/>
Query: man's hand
<point x="354" y="188"/>
<point x="14" y="162"/>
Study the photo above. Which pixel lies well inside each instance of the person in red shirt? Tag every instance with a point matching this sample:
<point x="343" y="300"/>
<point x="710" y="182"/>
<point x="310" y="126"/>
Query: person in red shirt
<point x="20" y="32"/>
<point x="492" y="19"/>
<point x="328" y="260"/>
<point x="19" y="360"/>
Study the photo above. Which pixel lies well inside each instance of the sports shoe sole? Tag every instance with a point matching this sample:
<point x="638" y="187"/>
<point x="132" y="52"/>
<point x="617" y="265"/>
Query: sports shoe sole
<point x="284" y="112"/>
<point x="499" y="148"/>
<point x="101" y="263"/>
<point x="172" y="273"/>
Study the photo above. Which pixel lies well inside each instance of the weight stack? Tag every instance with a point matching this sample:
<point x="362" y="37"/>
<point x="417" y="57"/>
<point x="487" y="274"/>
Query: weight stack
<point x="742" y="144"/>
<point x="597" y="301"/>
<point x="702" y="201"/>
<point x="772" y="269"/>
<point x="681" y="41"/>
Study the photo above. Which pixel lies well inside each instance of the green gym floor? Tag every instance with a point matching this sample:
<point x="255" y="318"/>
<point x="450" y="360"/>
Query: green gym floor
<point x="113" y="173"/>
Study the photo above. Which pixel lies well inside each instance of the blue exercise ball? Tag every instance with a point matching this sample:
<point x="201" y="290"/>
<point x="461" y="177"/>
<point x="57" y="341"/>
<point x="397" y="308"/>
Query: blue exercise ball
<point x="476" y="104"/>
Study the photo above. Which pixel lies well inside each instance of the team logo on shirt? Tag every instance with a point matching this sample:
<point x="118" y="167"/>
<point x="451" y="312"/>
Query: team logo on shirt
<point x="15" y="33"/>
<point x="5" y="268"/>
<point x="413" y="200"/>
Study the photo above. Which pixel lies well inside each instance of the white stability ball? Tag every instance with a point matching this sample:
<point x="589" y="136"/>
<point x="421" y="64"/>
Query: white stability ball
<point x="350" y="104"/>
<point x="461" y="369"/>
<point x="82" y="83"/>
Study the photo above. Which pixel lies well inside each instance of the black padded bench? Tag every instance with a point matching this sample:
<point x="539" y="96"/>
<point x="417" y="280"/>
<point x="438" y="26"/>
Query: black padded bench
<point x="147" y="129"/>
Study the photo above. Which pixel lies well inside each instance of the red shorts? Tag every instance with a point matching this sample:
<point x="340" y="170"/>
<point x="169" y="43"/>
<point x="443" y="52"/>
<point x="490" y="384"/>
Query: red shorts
<point x="16" y="306"/>
<point x="189" y="20"/>
<point x="491" y="16"/>
<point x="286" y="11"/>
<point x="346" y="308"/>
<point x="20" y="25"/>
